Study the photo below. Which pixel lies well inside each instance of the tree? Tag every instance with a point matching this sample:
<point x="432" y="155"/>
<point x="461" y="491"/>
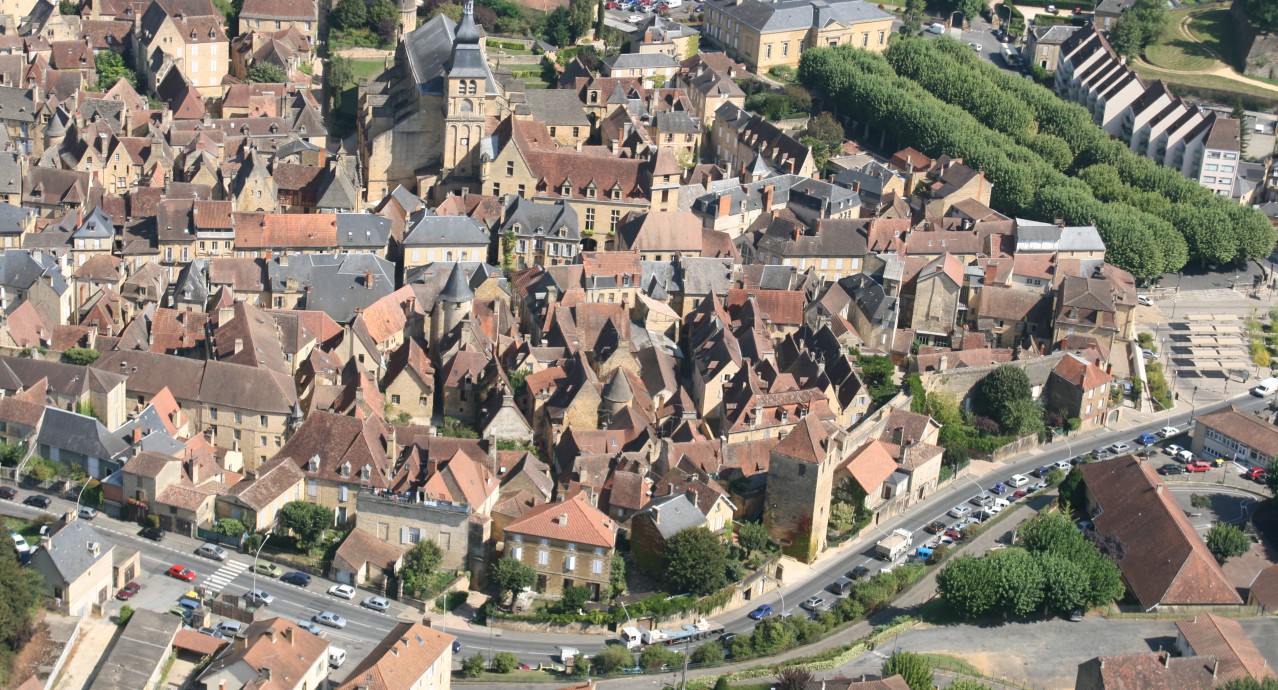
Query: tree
<point x="1064" y="584"/>
<point x="617" y="574"/>
<point x="1005" y="396"/>
<point x="573" y="598"/>
<point x="229" y="526"/>
<point x="913" y="16"/>
<point x="420" y="563"/>
<point x="456" y="428"/>
<point x="1271" y="476"/>
<point x="967" y="684"/>
<point x="473" y="667"/>
<point x="581" y="16"/>
<point x="21" y="591"/>
<point x="122" y="618"/>
<point x="40" y="469"/>
<point x="721" y="683"/>
<point x="1263" y="15"/>
<point x="1227" y="541"/>
<point x="599" y="22"/>
<point x="1246" y="683"/>
<point x="613" y="658"/>
<point x="695" y="561"/>
<point x="657" y="656"/>
<point x="964" y="585"/>
<point x="1055" y="477"/>
<point x="708" y="653"/>
<point x="510" y="575"/>
<point x="266" y="73"/>
<point x="111" y="69"/>
<point x="557" y="27"/>
<point x="1240" y="114"/>
<point x="349" y="14"/>
<point x="753" y="536"/>
<point x="793" y="678"/>
<point x="825" y="136"/>
<point x="971" y="9"/>
<point x="1138" y="27"/>
<point x="306" y="520"/>
<point x="911" y="667"/>
<point x="82" y="356"/>
<point x="341" y="73"/>
<point x="383" y="18"/>
<point x="505" y="662"/>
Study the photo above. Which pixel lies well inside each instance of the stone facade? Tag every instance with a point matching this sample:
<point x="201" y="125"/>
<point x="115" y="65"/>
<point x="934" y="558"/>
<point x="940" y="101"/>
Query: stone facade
<point x="461" y="535"/>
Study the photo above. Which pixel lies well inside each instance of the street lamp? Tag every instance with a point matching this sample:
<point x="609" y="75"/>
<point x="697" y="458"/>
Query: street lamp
<point x="779" y="591"/>
<point x="81" y="495"/>
<point x="258" y="553"/>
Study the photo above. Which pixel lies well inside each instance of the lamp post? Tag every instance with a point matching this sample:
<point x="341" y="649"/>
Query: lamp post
<point x="81" y="495"/>
<point x="779" y="591"/>
<point x="258" y="553"/>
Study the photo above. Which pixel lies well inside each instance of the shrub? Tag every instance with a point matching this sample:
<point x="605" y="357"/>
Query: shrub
<point x="505" y="662"/>
<point x="122" y="618"/>
<point x="473" y="667"/>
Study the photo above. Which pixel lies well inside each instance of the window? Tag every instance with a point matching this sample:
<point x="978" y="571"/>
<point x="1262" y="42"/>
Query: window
<point x="510" y="170"/>
<point x="543" y="557"/>
<point x="343" y="493"/>
<point x="261" y="440"/>
<point x="882" y="36"/>
<point x="576" y="132"/>
<point x="212" y="413"/>
<point x="261" y="420"/>
<point x="552" y="132"/>
<point x="590" y="219"/>
<point x="496" y="189"/>
<point x="767" y="50"/>
<point x="596" y="566"/>
<point x="614" y="219"/>
<point x="865" y="40"/>
<point x="785" y="49"/>
<point x="312" y="488"/>
<point x="570" y="563"/>
<point x="394" y="399"/>
<point x="521" y="190"/>
<point x="803" y="470"/>
<point x="517" y="553"/>
<point x="1212" y="167"/>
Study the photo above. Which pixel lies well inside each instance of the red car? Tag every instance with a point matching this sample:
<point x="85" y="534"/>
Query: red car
<point x="935" y="527"/>
<point x="1019" y="495"/>
<point x="126" y="592"/>
<point x="953" y="535"/>
<point x="181" y="572"/>
<point x="1198" y="466"/>
<point x="1256" y="474"/>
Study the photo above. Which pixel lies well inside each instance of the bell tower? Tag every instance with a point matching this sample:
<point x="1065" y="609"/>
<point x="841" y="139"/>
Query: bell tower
<point x="466" y="102"/>
<point x="407" y="16"/>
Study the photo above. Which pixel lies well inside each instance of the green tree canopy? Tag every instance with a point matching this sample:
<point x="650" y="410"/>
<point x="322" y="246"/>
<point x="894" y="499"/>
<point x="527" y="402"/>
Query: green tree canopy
<point x="753" y="536"/>
<point x="613" y="658"/>
<point x="1226" y="541"/>
<point x="229" y="526"/>
<point x="349" y="14"/>
<point x="510" y="575"/>
<point x="266" y="73"/>
<point x="305" y="520"/>
<point x="82" y="356"/>
<point x="111" y="69"/>
<point x="1263" y="15"/>
<point x="420" y="563"/>
<point x="695" y="562"/>
<point x="1138" y="26"/>
<point x="912" y="668"/>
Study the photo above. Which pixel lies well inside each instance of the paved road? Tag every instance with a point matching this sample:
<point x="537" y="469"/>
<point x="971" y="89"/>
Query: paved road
<point x="367" y="627"/>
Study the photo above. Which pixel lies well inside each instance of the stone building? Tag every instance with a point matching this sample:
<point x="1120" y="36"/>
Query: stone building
<point x="800" y="482"/>
<point x="429" y="123"/>
<point x="766" y="34"/>
<point x="404" y="521"/>
<point x="569" y="543"/>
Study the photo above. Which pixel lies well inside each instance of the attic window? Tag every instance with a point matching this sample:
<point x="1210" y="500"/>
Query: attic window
<point x="365" y="472"/>
<point x="346" y="469"/>
<point x="313" y="464"/>
<point x="566" y="190"/>
<point x="616" y="193"/>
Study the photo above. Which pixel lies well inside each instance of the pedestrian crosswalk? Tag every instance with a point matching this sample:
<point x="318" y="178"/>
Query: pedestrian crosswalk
<point x="215" y="583"/>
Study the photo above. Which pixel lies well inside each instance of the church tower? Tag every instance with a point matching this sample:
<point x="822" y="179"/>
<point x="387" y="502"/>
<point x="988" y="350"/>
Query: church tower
<point x="407" y="16"/>
<point x="469" y="84"/>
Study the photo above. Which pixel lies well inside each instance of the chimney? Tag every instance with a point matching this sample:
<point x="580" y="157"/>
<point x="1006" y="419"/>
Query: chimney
<point x="288" y="634"/>
<point x="725" y="205"/>
<point x="562" y="520"/>
<point x="265" y="673"/>
<point x="283" y="259"/>
<point x="1166" y="655"/>
<point x="768" y="193"/>
<point x="944" y="363"/>
<point x="368" y="279"/>
<point x="1215" y="666"/>
<point x="137" y="434"/>
<point x="1158" y="489"/>
<point x="239" y="345"/>
<point x="856" y="187"/>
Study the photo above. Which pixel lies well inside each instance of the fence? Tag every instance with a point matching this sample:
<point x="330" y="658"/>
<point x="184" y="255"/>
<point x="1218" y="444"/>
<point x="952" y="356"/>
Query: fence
<point x="218" y="538"/>
<point x="67" y="646"/>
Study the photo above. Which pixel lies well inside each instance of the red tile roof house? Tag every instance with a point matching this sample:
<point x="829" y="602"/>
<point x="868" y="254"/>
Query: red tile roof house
<point x="1167" y="563"/>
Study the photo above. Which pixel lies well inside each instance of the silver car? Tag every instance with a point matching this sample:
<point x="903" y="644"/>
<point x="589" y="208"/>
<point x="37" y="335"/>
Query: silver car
<point x="213" y="551"/>
<point x="311" y="628"/>
<point x="259" y="596"/>
<point x="375" y="603"/>
<point x="330" y="619"/>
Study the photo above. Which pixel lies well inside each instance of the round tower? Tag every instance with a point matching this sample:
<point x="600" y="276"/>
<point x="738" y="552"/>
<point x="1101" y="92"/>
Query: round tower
<point x="452" y="305"/>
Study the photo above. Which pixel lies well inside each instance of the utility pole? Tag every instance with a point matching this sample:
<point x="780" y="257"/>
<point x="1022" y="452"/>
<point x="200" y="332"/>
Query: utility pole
<point x="687" y="646"/>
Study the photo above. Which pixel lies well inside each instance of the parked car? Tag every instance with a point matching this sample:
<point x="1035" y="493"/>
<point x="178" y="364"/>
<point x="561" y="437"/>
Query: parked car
<point x="342" y="591"/>
<point x="1076" y="615"/>
<point x="980" y="500"/>
<point x="230" y="628"/>
<point x="1144" y="300"/>
<point x="86" y="513"/>
<point x="211" y="632"/>
<point x="1148" y="353"/>
<point x="375" y="603"/>
<point x="296" y="578"/>
<point x="635" y="18"/>
<point x="181" y="572"/>
<point x="1171" y="468"/>
<point x="935" y="527"/>
<point x="8" y="493"/>
<point x="1042" y="471"/>
<point x="839" y="587"/>
<point x="1019" y="495"/>
<point x="37" y="501"/>
<point x="1168" y="431"/>
<point x="1173" y="449"/>
<point x="126" y="592"/>
<point x="960" y="511"/>
<point x="311" y="628"/>
<point x="259" y="597"/>
<point x="1185" y="456"/>
<point x="1120" y="448"/>
<point x="999" y="488"/>
<point x="954" y="534"/>
<point x="1256" y="474"/>
<point x="181" y="612"/>
<point x="813" y="603"/>
<point x="1147" y="439"/>
<point x="213" y="551"/>
<point x="152" y="533"/>
<point x="268" y="569"/>
<point x="1017" y="481"/>
<point x="859" y="572"/>
<point x="457" y="643"/>
<point x="763" y="611"/>
<point x="1063" y="465"/>
<point x="330" y="619"/>
<point x="1198" y="466"/>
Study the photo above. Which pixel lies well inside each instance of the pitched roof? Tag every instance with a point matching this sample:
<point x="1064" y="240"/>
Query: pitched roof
<point x="572" y="520"/>
<point x="1223" y="638"/>
<point x="1166" y="562"/>
<point x="1146" y="671"/>
<point x="360" y="548"/>
<point x="808" y="441"/>
<point x="1086" y="375"/>
<point x="273" y="480"/>
<point x="277" y="645"/>
<point x="401" y="659"/>
<point x="870" y="465"/>
<point x="1245" y="427"/>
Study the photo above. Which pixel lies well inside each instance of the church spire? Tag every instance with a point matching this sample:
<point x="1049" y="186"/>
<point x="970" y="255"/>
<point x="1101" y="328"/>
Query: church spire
<point x="467" y="32"/>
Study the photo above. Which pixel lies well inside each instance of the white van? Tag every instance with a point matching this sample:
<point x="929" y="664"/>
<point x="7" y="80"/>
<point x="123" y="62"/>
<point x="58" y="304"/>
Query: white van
<point x="336" y="657"/>
<point x="1266" y="387"/>
<point x="937" y="29"/>
<point x="1017" y="481"/>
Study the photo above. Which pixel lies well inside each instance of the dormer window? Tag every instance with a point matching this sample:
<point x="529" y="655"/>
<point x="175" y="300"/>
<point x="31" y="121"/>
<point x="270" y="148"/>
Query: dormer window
<point x="566" y="190"/>
<point x="346" y="469"/>
<point x="616" y="193"/>
<point x="590" y="192"/>
<point x="625" y="280"/>
<point x="365" y="472"/>
<point x="313" y="464"/>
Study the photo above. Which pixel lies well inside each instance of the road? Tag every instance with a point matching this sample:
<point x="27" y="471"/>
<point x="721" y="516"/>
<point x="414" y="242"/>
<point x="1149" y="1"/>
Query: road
<point x="366" y="627"/>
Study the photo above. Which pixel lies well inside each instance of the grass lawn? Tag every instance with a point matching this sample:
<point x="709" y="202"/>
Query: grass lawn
<point x="1205" y="81"/>
<point x="952" y="663"/>
<point x="1173" y="50"/>
<point x="1215" y="31"/>
<point x="29" y="529"/>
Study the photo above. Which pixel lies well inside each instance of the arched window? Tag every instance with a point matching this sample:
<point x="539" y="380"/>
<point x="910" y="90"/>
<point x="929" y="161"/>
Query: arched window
<point x="470" y="87"/>
<point x="467" y="106"/>
<point x="448" y="256"/>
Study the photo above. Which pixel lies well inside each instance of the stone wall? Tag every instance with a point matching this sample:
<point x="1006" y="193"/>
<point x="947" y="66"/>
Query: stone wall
<point x="1260" y="50"/>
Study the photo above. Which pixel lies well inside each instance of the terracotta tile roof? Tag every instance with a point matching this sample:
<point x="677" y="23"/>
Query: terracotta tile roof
<point x="612" y="264"/>
<point x="147" y="464"/>
<point x="1085" y="375"/>
<point x="1223" y="638"/>
<point x="462" y="480"/>
<point x="402" y="659"/>
<point x="274" y="479"/>
<point x="1167" y="562"/>
<point x="1264" y="589"/>
<point x="174" y="330"/>
<point x="196" y="641"/>
<point x="184" y="496"/>
<point x="552" y="166"/>
<point x="276" y="644"/>
<point x="67" y="337"/>
<point x="20" y="412"/>
<point x="285" y="230"/>
<point x="782" y="306"/>
<point x="242" y="274"/>
<point x="572" y="520"/>
<point x="360" y="548"/>
<point x="808" y="441"/>
<point x="279" y="9"/>
<point x="1244" y="427"/>
<point x="338" y="439"/>
<point x="1147" y="671"/>
<point x="870" y="465"/>
<point x="388" y="315"/>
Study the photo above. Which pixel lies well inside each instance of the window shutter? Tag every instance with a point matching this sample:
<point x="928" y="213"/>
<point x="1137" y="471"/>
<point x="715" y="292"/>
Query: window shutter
<point x="403" y="535"/>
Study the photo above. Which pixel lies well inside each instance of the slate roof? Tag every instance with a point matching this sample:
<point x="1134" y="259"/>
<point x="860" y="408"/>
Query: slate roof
<point x="429" y="49"/>
<point x="789" y="15"/>
<point x="79" y="434"/>
<point x="445" y="231"/>
<point x="556" y="107"/>
<point x="336" y="281"/>
<point x="69" y="552"/>
<point x="672" y="514"/>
